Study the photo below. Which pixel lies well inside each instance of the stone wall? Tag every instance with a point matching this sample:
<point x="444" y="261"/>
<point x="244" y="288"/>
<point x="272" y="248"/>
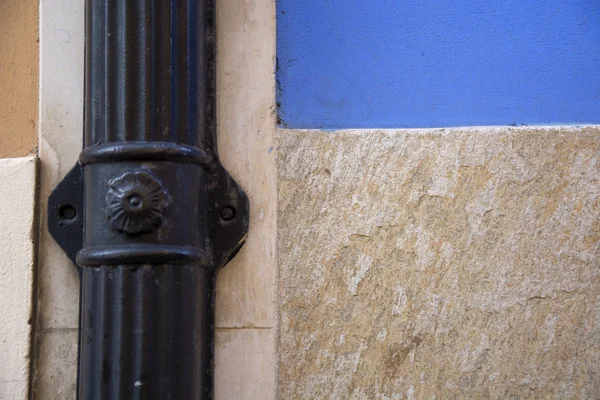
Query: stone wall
<point x="459" y="263"/>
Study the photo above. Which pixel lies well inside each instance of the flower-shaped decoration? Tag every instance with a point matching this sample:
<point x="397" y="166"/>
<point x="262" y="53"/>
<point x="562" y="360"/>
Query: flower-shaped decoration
<point x="135" y="202"/>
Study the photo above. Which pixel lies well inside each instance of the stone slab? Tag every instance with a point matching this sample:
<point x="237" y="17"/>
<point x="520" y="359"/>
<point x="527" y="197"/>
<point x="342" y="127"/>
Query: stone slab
<point x="246" y="128"/>
<point x="57" y="365"/>
<point x="245" y="367"/>
<point x="458" y="263"/>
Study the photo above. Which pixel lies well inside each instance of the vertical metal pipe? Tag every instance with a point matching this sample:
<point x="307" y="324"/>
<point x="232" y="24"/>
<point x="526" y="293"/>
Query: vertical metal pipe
<point x="147" y="332"/>
<point x="160" y="214"/>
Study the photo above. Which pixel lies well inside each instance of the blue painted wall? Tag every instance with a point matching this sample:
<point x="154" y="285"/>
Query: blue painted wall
<point x="432" y="63"/>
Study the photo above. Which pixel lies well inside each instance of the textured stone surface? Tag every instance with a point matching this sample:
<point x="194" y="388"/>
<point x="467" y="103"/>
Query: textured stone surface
<point x="439" y="264"/>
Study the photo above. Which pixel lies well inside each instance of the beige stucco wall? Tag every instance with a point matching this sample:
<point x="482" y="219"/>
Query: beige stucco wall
<point x="456" y="263"/>
<point x="18" y="77"/>
<point x="17" y="249"/>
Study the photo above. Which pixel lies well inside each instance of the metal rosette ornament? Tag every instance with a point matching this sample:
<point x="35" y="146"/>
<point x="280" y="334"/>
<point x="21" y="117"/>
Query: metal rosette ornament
<point x="135" y="202"/>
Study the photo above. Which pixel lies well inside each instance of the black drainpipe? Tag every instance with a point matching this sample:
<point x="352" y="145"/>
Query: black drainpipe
<point x="148" y="213"/>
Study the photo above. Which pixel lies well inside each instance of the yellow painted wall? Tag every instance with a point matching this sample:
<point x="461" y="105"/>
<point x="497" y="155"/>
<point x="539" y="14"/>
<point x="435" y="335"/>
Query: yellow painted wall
<point x="18" y="77"/>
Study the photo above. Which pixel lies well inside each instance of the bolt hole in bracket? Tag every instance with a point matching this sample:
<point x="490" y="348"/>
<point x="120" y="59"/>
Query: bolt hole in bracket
<point x="65" y="213"/>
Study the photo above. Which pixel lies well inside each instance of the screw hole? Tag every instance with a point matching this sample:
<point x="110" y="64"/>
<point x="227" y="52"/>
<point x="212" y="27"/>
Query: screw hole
<point x="67" y="212"/>
<point x="227" y="213"/>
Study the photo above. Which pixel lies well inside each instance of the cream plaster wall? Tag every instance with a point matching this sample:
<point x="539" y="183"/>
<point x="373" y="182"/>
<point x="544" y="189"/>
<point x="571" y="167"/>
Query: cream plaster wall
<point x="18" y="187"/>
